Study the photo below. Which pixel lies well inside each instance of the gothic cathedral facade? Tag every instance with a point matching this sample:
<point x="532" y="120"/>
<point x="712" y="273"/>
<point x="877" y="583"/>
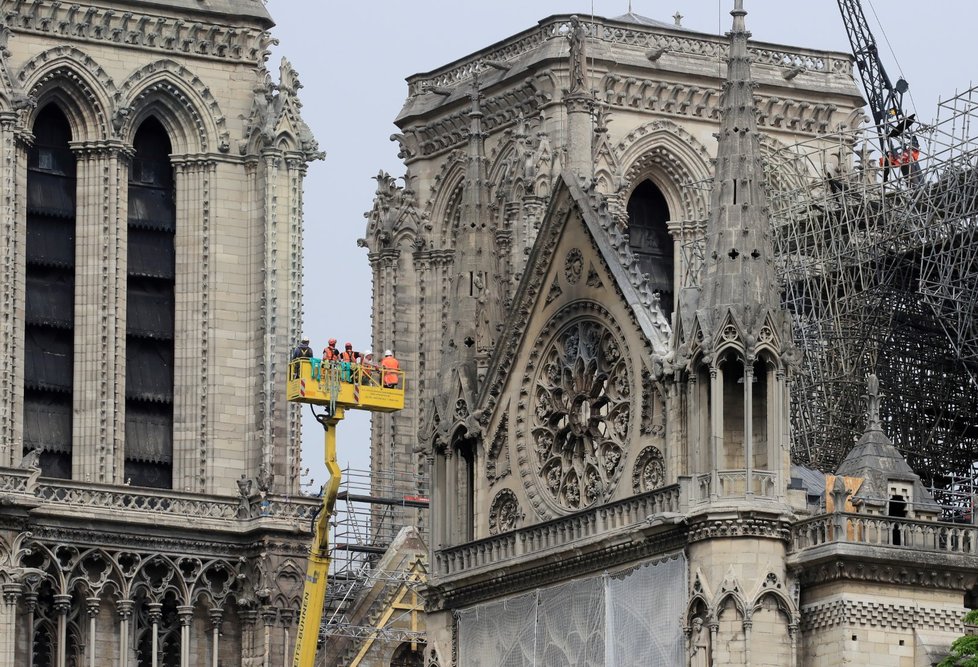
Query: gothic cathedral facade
<point x="150" y="235"/>
<point x="578" y="272"/>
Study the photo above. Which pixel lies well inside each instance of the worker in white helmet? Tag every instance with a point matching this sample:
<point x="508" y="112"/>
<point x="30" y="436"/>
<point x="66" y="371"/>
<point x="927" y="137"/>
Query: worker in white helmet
<point x="390" y="366"/>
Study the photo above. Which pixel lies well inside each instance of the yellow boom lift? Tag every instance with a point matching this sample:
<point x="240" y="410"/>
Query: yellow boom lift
<point x="337" y="387"/>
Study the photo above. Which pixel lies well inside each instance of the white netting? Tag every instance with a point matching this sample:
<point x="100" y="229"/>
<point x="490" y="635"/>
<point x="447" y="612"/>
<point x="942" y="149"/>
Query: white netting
<point x="645" y="609"/>
<point x="628" y="618"/>
<point x="570" y="624"/>
<point x="499" y="633"/>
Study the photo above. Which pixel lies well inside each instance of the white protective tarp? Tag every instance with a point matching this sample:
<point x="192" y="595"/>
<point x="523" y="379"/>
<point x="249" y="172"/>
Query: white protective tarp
<point x="632" y="617"/>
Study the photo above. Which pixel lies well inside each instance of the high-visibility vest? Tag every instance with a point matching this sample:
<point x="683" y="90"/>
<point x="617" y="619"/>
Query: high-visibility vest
<point x="389" y="365"/>
<point x="331" y="354"/>
<point x="348" y="355"/>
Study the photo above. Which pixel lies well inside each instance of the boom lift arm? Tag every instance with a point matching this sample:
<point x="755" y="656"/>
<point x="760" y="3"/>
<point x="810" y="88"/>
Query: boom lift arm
<point x="359" y="388"/>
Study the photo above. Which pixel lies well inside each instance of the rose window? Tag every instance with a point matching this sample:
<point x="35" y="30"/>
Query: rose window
<point x="581" y="415"/>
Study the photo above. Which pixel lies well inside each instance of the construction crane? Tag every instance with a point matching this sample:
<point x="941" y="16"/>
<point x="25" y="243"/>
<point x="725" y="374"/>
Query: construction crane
<point x="336" y="387"/>
<point x="897" y="141"/>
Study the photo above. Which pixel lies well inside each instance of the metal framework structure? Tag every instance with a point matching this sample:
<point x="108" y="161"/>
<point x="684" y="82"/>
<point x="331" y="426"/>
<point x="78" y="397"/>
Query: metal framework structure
<point x="882" y="277"/>
<point x="368" y="517"/>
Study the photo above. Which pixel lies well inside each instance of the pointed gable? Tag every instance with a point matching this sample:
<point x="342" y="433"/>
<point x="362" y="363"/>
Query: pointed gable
<point x="568" y="391"/>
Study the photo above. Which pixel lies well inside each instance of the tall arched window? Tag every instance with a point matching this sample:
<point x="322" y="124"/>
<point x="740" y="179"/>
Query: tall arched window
<point x="150" y="310"/>
<point x="50" y="294"/>
<point x="649" y="238"/>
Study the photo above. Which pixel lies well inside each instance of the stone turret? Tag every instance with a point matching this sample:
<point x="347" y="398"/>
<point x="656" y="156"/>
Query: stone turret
<point x="889" y="485"/>
<point x="733" y="339"/>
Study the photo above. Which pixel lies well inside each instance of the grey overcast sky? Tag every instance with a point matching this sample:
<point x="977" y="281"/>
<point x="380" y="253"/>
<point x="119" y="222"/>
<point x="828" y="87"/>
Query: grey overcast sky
<point x="353" y="56"/>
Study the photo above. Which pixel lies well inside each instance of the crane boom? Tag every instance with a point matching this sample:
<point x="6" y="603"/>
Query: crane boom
<point x="885" y="98"/>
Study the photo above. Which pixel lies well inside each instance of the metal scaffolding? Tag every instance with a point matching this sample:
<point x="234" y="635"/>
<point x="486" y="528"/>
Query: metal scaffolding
<point x="880" y="275"/>
<point x="365" y="601"/>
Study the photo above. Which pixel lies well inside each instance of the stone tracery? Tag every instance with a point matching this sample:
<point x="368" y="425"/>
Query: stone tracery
<point x="581" y="415"/>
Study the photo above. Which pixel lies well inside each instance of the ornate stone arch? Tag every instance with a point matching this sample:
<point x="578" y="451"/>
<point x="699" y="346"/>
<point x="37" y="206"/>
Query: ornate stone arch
<point x="505" y="172"/>
<point x="215" y="581"/>
<point x="673" y="159"/>
<point x="77" y="84"/>
<point x="84" y="573"/>
<point x="182" y="103"/>
<point x="158" y="584"/>
<point x="445" y="196"/>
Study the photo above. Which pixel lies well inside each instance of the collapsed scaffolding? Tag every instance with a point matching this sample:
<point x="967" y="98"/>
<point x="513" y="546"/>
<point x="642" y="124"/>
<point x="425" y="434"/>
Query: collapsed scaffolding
<point x="374" y="595"/>
<point x="880" y="275"/>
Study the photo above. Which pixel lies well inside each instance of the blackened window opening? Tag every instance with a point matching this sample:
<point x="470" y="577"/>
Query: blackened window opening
<point x="150" y="311"/>
<point x="648" y="235"/>
<point x="49" y="303"/>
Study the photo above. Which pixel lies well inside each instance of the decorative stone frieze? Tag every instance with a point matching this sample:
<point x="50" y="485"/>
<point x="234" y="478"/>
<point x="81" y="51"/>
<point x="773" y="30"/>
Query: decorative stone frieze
<point x="138" y="30"/>
<point x="881" y="615"/>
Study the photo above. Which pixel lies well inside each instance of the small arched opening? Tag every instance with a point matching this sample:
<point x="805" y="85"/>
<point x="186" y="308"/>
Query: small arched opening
<point x="408" y="655"/>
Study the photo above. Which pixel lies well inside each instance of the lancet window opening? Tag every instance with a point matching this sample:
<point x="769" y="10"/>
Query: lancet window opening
<point x="49" y="299"/>
<point x="150" y="295"/>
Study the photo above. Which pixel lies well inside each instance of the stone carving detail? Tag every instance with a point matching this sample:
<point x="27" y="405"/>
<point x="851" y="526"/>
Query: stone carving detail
<point x="497" y="461"/>
<point x="554" y="292"/>
<point x="504" y="512"/>
<point x="577" y="37"/>
<point x="580" y="416"/>
<point x="106" y="25"/>
<point x="593" y="279"/>
<point x="650" y="470"/>
<point x="711" y="49"/>
<point x="573" y="266"/>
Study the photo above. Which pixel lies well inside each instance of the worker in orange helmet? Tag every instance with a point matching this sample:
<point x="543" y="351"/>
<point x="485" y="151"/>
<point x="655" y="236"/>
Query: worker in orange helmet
<point x="390" y="366"/>
<point x="330" y="353"/>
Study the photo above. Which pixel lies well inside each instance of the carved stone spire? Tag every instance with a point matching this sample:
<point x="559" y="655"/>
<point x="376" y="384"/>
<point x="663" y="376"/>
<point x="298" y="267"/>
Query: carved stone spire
<point x="739" y="263"/>
<point x="732" y="334"/>
<point x="473" y="314"/>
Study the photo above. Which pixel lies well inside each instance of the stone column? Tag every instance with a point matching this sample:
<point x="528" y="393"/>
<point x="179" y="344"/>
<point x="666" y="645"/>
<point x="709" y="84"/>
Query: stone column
<point x="194" y="181"/>
<point x="249" y="654"/>
<point x="579" y="158"/>
<point x="748" y="428"/>
<point x="124" y="610"/>
<point x="748" y="624"/>
<point x="286" y="620"/>
<point x="30" y="604"/>
<point x="12" y="592"/>
<point x="714" y="628"/>
<point x="92" y="605"/>
<point x="100" y="274"/>
<point x="13" y="239"/>
<point x="62" y="605"/>
<point x="186" y="615"/>
<point x="268" y="620"/>
<point x="716" y="426"/>
<point x="215" y="615"/>
<point x="154" y="612"/>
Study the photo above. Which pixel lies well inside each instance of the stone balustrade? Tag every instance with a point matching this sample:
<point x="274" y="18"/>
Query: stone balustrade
<point x="561" y="533"/>
<point x="733" y="484"/>
<point x="84" y="495"/>
<point x="884" y="531"/>
<point x="644" y="37"/>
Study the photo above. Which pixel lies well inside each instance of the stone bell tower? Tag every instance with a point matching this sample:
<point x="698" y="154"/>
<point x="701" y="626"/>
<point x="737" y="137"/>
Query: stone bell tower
<point x="733" y="346"/>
